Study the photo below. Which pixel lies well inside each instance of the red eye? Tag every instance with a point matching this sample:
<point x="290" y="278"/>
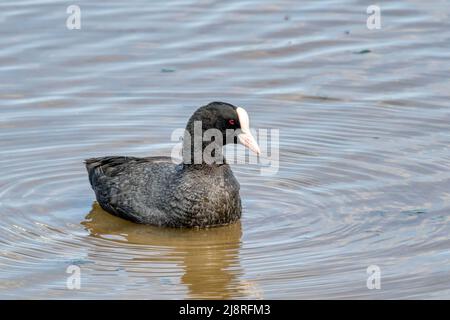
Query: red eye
<point x="231" y="122"/>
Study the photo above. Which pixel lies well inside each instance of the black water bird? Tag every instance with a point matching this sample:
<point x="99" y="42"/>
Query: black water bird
<point x="198" y="192"/>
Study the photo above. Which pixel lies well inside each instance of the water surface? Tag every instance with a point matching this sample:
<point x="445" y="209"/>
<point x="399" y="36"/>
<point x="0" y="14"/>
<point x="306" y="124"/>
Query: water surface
<point x="363" y="116"/>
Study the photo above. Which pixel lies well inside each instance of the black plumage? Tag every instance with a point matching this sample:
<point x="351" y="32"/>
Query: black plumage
<point x="154" y="190"/>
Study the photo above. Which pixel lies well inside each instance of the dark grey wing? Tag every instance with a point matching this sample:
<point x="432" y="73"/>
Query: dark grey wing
<point x="116" y="182"/>
<point x="103" y="173"/>
<point x="114" y="165"/>
<point x="108" y="166"/>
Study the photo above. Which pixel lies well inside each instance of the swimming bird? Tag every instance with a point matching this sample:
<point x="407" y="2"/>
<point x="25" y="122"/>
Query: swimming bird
<point x="201" y="191"/>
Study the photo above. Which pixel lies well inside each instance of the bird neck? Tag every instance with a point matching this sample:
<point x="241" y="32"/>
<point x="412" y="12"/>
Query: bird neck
<point x="196" y="151"/>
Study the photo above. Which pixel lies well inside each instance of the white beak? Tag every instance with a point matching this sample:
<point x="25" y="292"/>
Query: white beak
<point x="245" y="137"/>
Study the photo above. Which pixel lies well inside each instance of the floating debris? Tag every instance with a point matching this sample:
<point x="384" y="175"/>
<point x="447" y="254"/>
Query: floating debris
<point x="362" y="51"/>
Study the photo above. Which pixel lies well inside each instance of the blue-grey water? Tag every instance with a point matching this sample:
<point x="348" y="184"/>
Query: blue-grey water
<point x="364" y="120"/>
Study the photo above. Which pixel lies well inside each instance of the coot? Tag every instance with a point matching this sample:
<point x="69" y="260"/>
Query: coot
<point x="199" y="192"/>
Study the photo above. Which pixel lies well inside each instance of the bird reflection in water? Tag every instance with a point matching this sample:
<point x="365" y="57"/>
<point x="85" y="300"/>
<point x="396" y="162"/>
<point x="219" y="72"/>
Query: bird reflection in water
<point x="207" y="259"/>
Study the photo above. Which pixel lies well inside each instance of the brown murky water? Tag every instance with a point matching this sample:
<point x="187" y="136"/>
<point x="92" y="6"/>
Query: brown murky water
<point x="364" y="174"/>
